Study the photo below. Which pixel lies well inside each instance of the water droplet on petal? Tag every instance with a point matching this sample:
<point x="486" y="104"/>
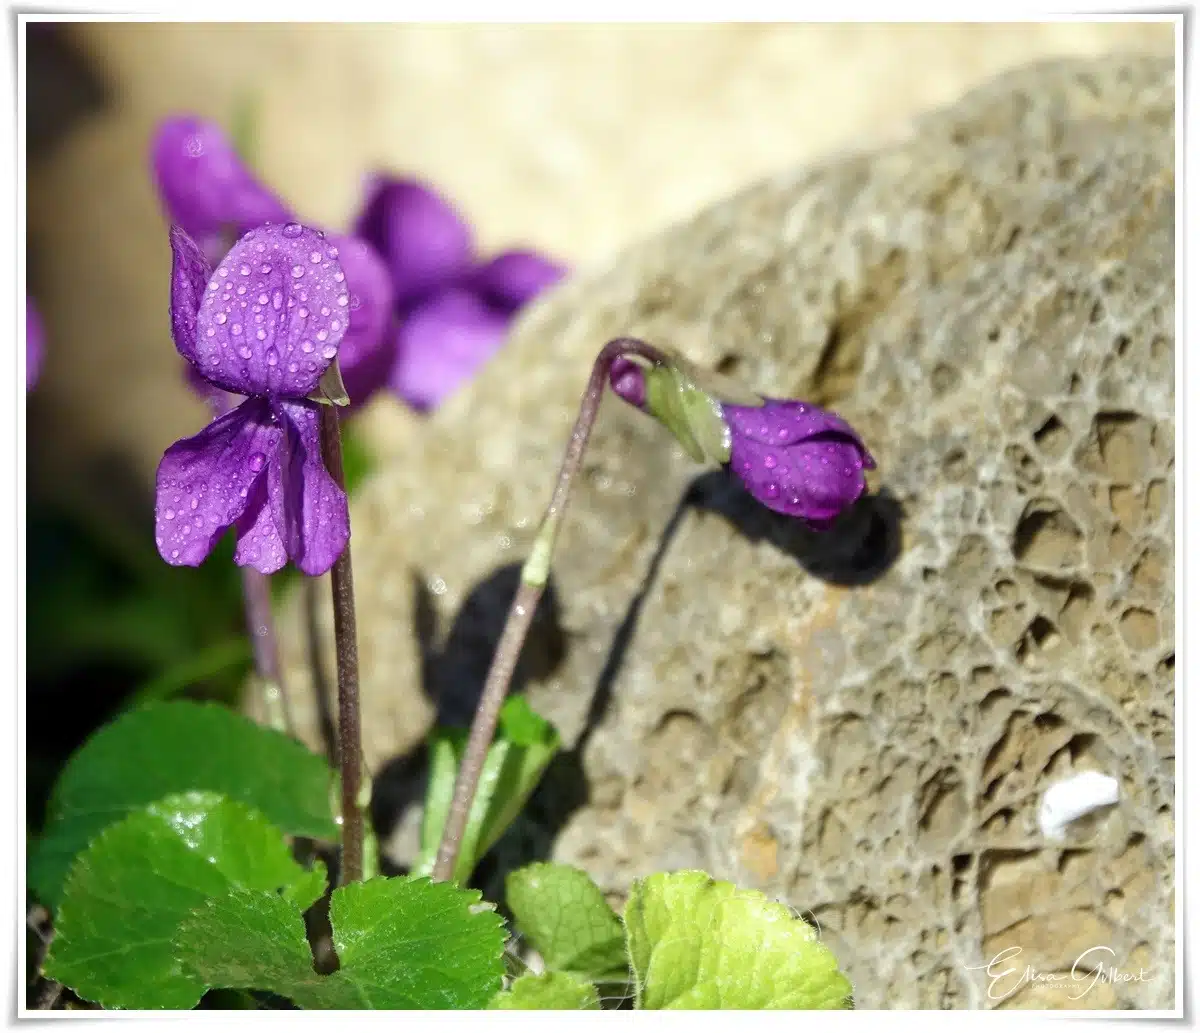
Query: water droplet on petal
<point x="277" y="300"/>
<point x="302" y="312"/>
<point x="771" y="490"/>
<point x="169" y="514"/>
<point x="770" y="460"/>
<point x="244" y="269"/>
<point x="322" y="334"/>
<point x="297" y="271"/>
<point x="293" y="229"/>
<point x="339" y="276"/>
<point x="245" y="352"/>
<point x="220" y="318"/>
<point x="315" y="258"/>
<point x="214" y="286"/>
<point x="335" y="325"/>
<point x="261" y="334"/>
<point x="343" y="300"/>
<point x="222" y="271"/>
<point x="306" y="346"/>
<point x="262" y="299"/>
<point x="324" y="310"/>
<point x="257" y="461"/>
<point x="244" y="492"/>
<point x="236" y="329"/>
<point x="272" y="356"/>
<point x="210" y="332"/>
<point x="265" y="267"/>
<point x="329" y="351"/>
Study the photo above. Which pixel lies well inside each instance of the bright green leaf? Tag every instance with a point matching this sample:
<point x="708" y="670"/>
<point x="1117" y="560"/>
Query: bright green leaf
<point x="128" y="893"/>
<point x="698" y="943"/>
<point x="166" y="748"/>
<point x="402" y="944"/>
<point x="565" y="916"/>
<point x="525" y="744"/>
<point x="550" y="991"/>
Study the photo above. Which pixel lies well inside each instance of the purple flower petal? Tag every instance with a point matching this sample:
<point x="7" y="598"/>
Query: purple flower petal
<point x="273" y="314"/>
<point x="205" y="483"/>
<point x="442" y="344"/>
<point x="218" y="400"/>
<point x="628" y="381"/>
<point x="366" y="352"/>
<point x="316" y="515"/>
<point x="35" y="340"/>
<point x="190" y="273"/>
<point x="514" y="278"/>
<point x="260" y="541"/>
<point x="798" y="459"/>
<point x="205" y="186"/>
<point x="424" y="241"/>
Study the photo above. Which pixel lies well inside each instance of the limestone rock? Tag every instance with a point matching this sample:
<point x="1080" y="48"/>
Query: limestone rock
<point x="860" y="723"/>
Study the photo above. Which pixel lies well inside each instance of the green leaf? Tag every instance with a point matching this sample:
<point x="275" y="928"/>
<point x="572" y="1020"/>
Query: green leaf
<point x="131" y="889"/>
<point x="402" y="943"/>
<point x="199" y="667"/>
<point x="167" y="748"/>
<point x="549" y="991"/>
<point x="698" y="943"/>
<point x="565" y="916"/>
<point x="525" y="744"/>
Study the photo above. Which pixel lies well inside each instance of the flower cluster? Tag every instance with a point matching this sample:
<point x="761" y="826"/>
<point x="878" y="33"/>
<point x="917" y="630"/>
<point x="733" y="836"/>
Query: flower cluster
<point x="266" y="324"/>
<point x="425" y="312"/>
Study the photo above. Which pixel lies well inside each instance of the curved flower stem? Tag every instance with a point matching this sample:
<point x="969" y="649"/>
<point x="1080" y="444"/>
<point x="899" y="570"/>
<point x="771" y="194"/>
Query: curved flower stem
<point x="345" y="633"/>
<point x="534" y="575"/>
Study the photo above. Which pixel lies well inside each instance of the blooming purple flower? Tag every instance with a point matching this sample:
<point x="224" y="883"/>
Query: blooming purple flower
<point x="424" y="241"/>
<point x="35" y="340"/>
<point x="795" y="458"/>
<point x="267" y="324"/>
<point x="442" y="344"/>
<point x="205" y="186"/>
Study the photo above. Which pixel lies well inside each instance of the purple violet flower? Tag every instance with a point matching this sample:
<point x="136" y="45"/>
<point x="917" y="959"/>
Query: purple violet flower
<point x="442" y="344"/>
<point x="793" y="457"/>
<point x="35" y="342"/>
<point x="266" y="324"/>
<point x="205" y="186"/>
<point x="368" y="349"/>
<point x="422" y="238"/>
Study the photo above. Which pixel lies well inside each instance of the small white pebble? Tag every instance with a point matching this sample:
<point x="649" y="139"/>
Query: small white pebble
<point x="1074" y="797"/>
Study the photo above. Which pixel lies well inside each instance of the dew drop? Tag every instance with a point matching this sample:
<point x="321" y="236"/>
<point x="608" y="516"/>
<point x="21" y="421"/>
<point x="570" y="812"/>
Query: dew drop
<point x="210" y="332"/>
<point x="244" y="269"/>
<point x="272" y="356"/>
<point x="297" y="271"/>
<point x="169" y="514"/>
<point x="220" y="318"/>
<point x="214" y="286"/>
<point x="261" y="334"/>
<point x="329" y="351"/>
<point x="257" y="461"/>
<point x="236" y="329"/>
<point x="262" y="299"/>
<point x="306" y="346"/>
<point x="245" y="352"/>
<point x="277" y="300"/>
<point x="293" y="229"/>
<point x="315" y="258"/>
<point x="324" y="310"/>
<point x="222" y="271"/>
<point x="333" y="252"/>
<point x="302" y="312"/>
<point x="335" y="326"/>
<point x="265" y="267"/>
<point x="322" y="334"/>
<point x="244" y="492"/>
<point x="770" y="460"/>
<point x="292" y="367"/>
<point x="198" y="521"/>
<point x="339" y="276"/>
<point x="343" y="300"/>
<point x="195" y="503"/>
<point x="771" y="490"/>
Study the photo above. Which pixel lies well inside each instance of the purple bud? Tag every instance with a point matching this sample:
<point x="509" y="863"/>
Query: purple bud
<point x="798" y="459"/>
<point x="205" y="186"/>
<point x="514" y="278"/>
<point x="426" y="244"/>
<point x="628" y="381"/>
<point x="442" y="343"/>
<point x="35" y="338"/>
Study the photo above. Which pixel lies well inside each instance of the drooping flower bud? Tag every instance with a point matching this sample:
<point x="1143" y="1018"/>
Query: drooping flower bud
<point x="794" y="457"/>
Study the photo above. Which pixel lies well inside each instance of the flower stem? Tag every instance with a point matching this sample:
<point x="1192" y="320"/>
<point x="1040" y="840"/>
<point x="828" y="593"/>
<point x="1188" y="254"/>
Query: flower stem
<point x="260" y="623"/>
<point x="534" y="575"/>
<point x="345" y="633"/>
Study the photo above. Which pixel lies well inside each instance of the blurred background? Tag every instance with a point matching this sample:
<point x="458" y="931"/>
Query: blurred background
<point x="575" y="141"/>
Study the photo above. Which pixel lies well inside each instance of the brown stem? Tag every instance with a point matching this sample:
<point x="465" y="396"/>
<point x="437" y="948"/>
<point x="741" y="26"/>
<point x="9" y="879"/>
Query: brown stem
<point x="345" y="633"/>
<point x="520" y="615"/>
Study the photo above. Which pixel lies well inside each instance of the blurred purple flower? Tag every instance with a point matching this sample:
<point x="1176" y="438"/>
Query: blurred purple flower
<point x="266" y="324"/>
<point x="514" y="278"/>
<point x="35" y="342"/>
<point x="205" y="186"/>
<point x="424" y="241"/>
<point x="367" y="351"/>
<point x="442" y="343"/>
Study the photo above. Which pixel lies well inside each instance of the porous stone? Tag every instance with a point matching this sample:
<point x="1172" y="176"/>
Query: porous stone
<point x="860" y="723"/>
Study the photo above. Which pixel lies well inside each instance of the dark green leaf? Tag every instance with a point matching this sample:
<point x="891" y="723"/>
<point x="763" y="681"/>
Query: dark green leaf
<point x="167" y="748"/>
<point x="402" y="944"/>
<point x="129" y="891"/>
